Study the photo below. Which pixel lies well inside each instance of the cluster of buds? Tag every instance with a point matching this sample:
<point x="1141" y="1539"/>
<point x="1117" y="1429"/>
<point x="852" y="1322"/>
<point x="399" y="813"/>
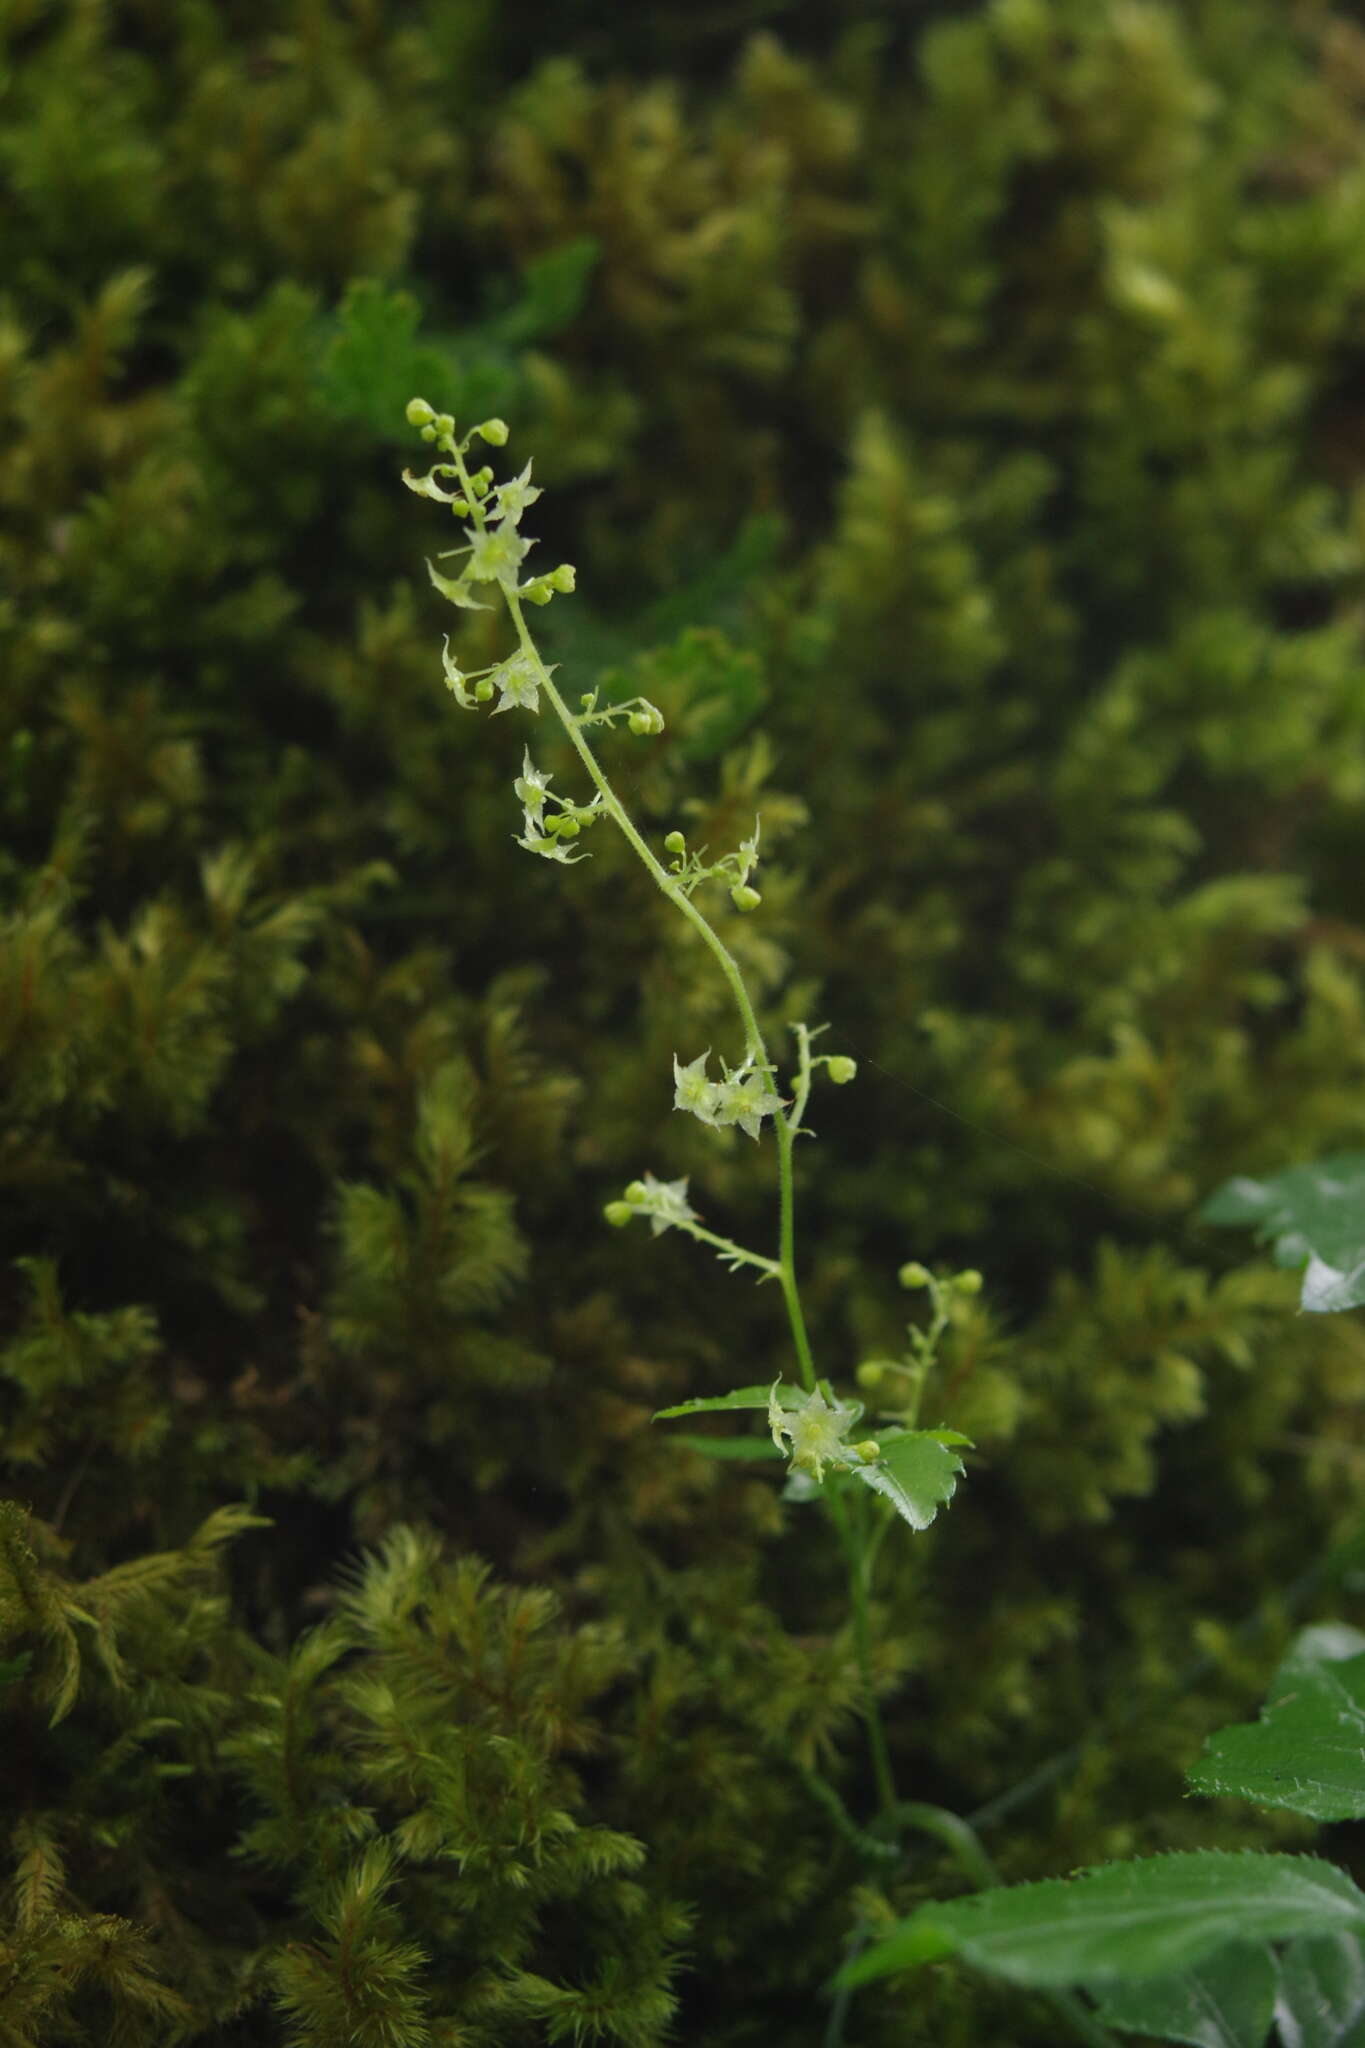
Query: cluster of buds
<point x="690" y="869"/>
<point x="494" y="545"/>
<point x="546" y="832"/>
<point x="664" y="1202"/>
<point x="896" y="1384"/>
<point x="638" y="713"/>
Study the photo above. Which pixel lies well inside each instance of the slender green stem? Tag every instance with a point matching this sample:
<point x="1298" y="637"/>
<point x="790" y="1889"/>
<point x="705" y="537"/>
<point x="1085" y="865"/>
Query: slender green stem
<point x="870" y="1847"/>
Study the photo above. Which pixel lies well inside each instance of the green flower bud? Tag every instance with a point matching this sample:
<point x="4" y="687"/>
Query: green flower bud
<point x="483" y="689"/>
<point x="675" y="843"/>
<point x="564" y="825"/>
<point x="428" y="433"/>
<point x="867" y="1450"/>
<point x="968" y="1282"/>
<point x="841" y="1069"/>
<point x="494" y="432"/>
<point x="445" y="423"/>
<point x="562" y="578"/>
<point x="914" y="1275"/>
<point x="870" y="1375"/>
<point x="639" y="722"/>
<point x="618" y="1214"/>
<point x="745" y="898"/>
<point x="637" y="1192"/>
<point x="538" y="591"/>
<point x="419" y="413"/>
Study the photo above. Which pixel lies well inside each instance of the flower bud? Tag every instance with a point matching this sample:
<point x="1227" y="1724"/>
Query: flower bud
<point x="494" y="432"/>
<point x="841" y="1069"/>
<point x="428" y="433"/>
<point x="637" y="1192"/>
<point x="745" y="898"/>
<point x="639" y="722"/>
<point x="444" y="423"/>
<point x="968" y="1282"/>
<point x="870" y="1375"/>
<point x="867" y="1450"/>
<point x="618" y="1214"/>
<point x="566" y="826"/>
<point x="419" y="413"/>
<point x="913" y="1275"/>
<point x="483" y="689"/>
<point x="562" y="578"/>
<point x="539" y="590"/>
<point x="675" y="843"/>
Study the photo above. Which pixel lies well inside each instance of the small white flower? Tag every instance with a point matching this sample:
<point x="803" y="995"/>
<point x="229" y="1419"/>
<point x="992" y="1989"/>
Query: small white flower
<point x="549" y="848"/>
<point x="515" y="495"/>
<point x="517" y="684"/>
<point x="663" y="1201"/>
<point x="692" y="1091"/>
<point x="815" y="1431"/>
<point x="744" y="1100"/>
<point x="530" y="787"/>
<point x="495" y="554"/>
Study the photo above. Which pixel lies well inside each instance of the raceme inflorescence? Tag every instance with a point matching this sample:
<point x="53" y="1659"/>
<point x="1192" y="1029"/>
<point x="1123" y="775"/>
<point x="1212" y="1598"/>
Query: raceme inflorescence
<point x="865" y="1481"/>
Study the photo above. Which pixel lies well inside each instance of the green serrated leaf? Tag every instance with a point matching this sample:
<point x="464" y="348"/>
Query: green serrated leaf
<point x="739" y="1397"/>
<point x="1322" y="1993"/>
<point x="1314" y="1213"/>
<point x="1307" y="1751"/>
<point x="1226" y="2002"/>
<point x="1155" y="1917"/>
<point x="917" y="1472"/>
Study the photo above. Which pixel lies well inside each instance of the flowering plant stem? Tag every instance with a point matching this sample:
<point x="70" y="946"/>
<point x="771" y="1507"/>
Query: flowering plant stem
<point x="787" y="1124"/>
<point x="851" y="1529"/>
<point x="914" y="1470"/>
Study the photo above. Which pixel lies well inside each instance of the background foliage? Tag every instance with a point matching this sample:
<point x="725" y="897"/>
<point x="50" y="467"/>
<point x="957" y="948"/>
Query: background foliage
<point x="953" y="415"/>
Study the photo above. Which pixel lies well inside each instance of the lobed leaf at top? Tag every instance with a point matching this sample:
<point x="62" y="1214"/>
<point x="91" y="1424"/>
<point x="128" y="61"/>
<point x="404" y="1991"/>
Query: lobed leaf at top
<point x="1316" y="1217"/>
<point x="1307" y="1751"/>
<point x="1154" y="1917"/>
<point x="917" y="1472"/>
